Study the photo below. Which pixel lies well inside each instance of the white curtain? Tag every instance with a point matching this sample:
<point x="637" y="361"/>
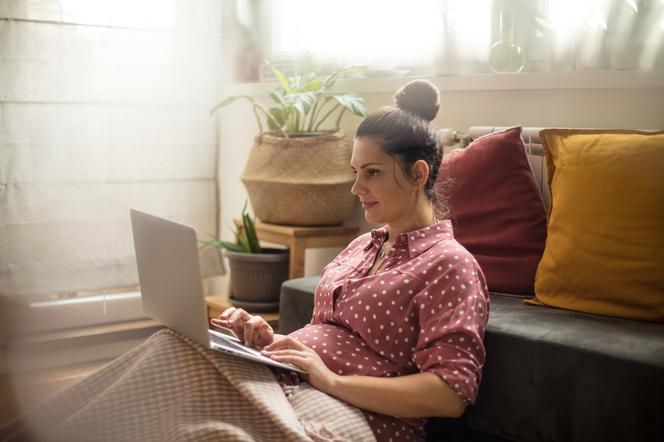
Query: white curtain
<point x="378" y="33"/>
<point x="456" y="36"/>
<point x="104" y="106"/>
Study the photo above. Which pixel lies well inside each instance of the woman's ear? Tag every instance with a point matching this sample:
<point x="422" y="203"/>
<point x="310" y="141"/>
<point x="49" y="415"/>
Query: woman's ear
<point x="420" y="170"/>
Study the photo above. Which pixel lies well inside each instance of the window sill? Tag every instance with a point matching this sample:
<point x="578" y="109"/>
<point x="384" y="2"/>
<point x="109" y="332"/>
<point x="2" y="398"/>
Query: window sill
<point x="84" y="332"/>
<point x="41" y="350"/>
<point x="487" y="82"/>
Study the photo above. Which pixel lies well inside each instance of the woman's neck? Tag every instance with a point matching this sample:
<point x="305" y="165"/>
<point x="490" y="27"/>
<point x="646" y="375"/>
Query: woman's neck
<point x="423" y="216"/>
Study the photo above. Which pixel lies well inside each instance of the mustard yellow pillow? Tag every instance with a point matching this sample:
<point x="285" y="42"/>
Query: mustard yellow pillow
<point x="604" y="251"/>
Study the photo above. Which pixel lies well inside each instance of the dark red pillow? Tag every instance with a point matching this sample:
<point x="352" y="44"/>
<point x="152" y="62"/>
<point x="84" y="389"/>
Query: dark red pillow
<point x="496" y="209"/>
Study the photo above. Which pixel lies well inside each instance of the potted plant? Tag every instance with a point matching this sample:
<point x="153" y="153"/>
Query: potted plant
<point x="256" y="272"/>
<point x="297" y="172"/>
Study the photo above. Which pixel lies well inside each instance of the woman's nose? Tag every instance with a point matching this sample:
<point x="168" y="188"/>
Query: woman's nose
<point x="356" y="189"/>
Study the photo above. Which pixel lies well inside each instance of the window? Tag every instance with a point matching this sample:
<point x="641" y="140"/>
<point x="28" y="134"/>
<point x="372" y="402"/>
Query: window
<point x="104" y="106"/>
<point x="461" y="36"/>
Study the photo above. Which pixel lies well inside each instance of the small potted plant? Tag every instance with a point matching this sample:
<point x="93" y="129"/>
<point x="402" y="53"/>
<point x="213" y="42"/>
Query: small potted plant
<point x="256" y="272"/>
<point x="297" y="172"/>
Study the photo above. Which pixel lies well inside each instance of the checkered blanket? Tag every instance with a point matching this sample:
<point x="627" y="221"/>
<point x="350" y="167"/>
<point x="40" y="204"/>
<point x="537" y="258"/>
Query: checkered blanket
<point x="170" y="388"/>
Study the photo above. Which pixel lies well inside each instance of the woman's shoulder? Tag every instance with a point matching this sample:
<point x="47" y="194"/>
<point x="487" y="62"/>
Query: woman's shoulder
<point x="447" y="251"/>
<point x="450" y="256"/>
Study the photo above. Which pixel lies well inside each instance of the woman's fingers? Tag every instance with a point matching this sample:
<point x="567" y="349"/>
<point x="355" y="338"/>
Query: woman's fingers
<point x="287" y="342"/>
<point x="239" y="315"/>
<point x="285" y="352"/>
<point x="222" y="320"/>
<point x="250" y="330"/>
<point x="257" y="332"/>
<point x="296" y="357"/>
<point x="226" y="313"/>
<point x="234" y="319"/>
<point x="265" y="335"/>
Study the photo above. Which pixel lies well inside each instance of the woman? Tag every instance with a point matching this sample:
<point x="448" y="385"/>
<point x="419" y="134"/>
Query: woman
<point x="399" y="315"/>
<point x="396" y="330"/>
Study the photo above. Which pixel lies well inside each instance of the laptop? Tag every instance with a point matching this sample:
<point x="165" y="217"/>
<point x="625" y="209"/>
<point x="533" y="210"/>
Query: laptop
<point x="171" y="286"/>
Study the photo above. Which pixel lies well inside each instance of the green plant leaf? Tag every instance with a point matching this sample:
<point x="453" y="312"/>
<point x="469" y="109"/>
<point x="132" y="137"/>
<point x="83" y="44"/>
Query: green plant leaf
<point x="353" y="103"/>
<point x="219" y="244"/>
<point x="252" y="238"/>
<point x="294" y="123"/>
<point x="242" y="238"/>
<point x="301" y="101"/>
<point x="229" y="100"/>
<point x="279" y="98"/>
<point x="313" y="85"/>
<point x="280" y="115"/>
<point x="233" y="247"/>
<point x="281" y="78"/>
<point x="209" y="243"/>
<point x="343" y="72"/>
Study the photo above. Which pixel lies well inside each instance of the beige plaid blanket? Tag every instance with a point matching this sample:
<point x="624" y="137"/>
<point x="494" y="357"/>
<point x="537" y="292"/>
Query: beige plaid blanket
<point x="170" y="388"/>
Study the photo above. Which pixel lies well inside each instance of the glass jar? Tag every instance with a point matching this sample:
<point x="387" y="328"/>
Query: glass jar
<point x="505" y="56"/>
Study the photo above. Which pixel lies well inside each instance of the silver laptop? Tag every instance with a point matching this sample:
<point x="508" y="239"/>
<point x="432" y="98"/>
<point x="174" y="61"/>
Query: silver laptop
<point x="171" y="287"/>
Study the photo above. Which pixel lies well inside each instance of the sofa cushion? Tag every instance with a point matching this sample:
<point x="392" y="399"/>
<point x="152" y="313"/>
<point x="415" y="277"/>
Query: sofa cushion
<point x="496" y="208"/>
<point x="296" y="303"/>
<point x="605" y="248"/>
<point x="559" y="375"/>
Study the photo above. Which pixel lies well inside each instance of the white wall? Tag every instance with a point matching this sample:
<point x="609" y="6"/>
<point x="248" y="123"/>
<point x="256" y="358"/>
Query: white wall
<point x="607" y="100"/>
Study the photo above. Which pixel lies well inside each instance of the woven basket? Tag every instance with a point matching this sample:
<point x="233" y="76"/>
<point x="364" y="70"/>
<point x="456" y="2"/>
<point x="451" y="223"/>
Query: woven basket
<point x="300" y="181"/>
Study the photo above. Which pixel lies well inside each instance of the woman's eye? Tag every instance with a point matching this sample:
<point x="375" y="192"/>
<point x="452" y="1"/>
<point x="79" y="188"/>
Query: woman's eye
<point x="372" y="173"/>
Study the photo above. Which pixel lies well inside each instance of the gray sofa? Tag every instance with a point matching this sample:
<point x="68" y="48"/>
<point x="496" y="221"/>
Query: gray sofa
<point x="550" y="374"/>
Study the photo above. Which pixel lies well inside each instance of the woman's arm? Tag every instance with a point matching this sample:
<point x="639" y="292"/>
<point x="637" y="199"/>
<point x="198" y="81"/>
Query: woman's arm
<point x="416" y="395"/>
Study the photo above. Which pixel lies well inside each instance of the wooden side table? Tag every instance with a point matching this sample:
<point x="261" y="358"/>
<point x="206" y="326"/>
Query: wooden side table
<point x="300" y="238"/>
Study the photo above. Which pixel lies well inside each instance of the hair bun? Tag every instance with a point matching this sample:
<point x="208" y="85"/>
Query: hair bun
<point x="419" y="97"/>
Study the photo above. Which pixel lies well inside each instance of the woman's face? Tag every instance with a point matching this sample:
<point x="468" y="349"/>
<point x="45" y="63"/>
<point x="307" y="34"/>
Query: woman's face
<point x="387" y="196"/>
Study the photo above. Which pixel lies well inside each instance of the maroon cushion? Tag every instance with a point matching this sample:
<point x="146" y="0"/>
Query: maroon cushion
<point x="496" y="209"/>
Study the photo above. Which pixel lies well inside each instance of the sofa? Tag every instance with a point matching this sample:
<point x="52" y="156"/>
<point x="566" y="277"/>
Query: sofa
<point x="551" y="374"/>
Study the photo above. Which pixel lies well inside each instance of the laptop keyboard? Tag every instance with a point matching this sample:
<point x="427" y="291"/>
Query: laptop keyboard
<point x="217" y="339"/>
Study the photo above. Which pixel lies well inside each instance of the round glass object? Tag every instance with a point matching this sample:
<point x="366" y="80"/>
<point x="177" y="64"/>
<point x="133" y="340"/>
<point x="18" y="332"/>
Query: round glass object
<point x="506" y="57"/>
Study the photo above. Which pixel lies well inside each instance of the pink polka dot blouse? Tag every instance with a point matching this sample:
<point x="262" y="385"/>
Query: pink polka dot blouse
<point x="425" y="309"/>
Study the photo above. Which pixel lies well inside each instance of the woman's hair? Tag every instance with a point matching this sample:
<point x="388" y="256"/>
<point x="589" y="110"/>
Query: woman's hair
<point x="404" y="131"/>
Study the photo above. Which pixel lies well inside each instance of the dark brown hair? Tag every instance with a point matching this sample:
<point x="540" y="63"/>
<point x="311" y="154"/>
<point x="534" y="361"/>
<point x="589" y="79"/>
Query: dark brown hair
<point x="404" y="131"/>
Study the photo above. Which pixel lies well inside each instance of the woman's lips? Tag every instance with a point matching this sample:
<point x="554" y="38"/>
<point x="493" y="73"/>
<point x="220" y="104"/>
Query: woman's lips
<point x="367" y="206"/>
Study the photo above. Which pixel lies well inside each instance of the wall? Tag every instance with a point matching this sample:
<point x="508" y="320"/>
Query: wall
<point x="584" y="99"/>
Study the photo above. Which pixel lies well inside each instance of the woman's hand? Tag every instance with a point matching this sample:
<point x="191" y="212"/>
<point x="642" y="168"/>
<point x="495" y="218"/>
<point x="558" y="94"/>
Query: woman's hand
<point x="293" y="351"/>
<point x="254" y="331"/>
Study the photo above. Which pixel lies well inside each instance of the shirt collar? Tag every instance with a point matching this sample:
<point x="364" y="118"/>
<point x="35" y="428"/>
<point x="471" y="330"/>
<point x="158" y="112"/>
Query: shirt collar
<point x="416" y="241"/>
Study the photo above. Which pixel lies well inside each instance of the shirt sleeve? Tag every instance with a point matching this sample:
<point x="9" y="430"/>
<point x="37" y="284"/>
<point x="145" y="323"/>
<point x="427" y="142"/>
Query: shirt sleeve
<point x="452" y="315"/>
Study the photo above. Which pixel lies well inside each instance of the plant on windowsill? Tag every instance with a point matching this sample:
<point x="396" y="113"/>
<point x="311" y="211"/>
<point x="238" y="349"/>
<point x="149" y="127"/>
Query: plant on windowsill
<point x="256" y="272"/>
<point x="297" y="172"/>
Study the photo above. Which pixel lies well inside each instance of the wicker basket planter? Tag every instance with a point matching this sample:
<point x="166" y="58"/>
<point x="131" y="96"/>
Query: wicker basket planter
<point x="257" y="277"/>
<point x="301" y="181"/>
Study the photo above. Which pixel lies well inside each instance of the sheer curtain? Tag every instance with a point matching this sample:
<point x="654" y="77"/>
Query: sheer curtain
<point x="456" y="36"/>
<point x="104" y="106"/>
<point x="379" y="33"/>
